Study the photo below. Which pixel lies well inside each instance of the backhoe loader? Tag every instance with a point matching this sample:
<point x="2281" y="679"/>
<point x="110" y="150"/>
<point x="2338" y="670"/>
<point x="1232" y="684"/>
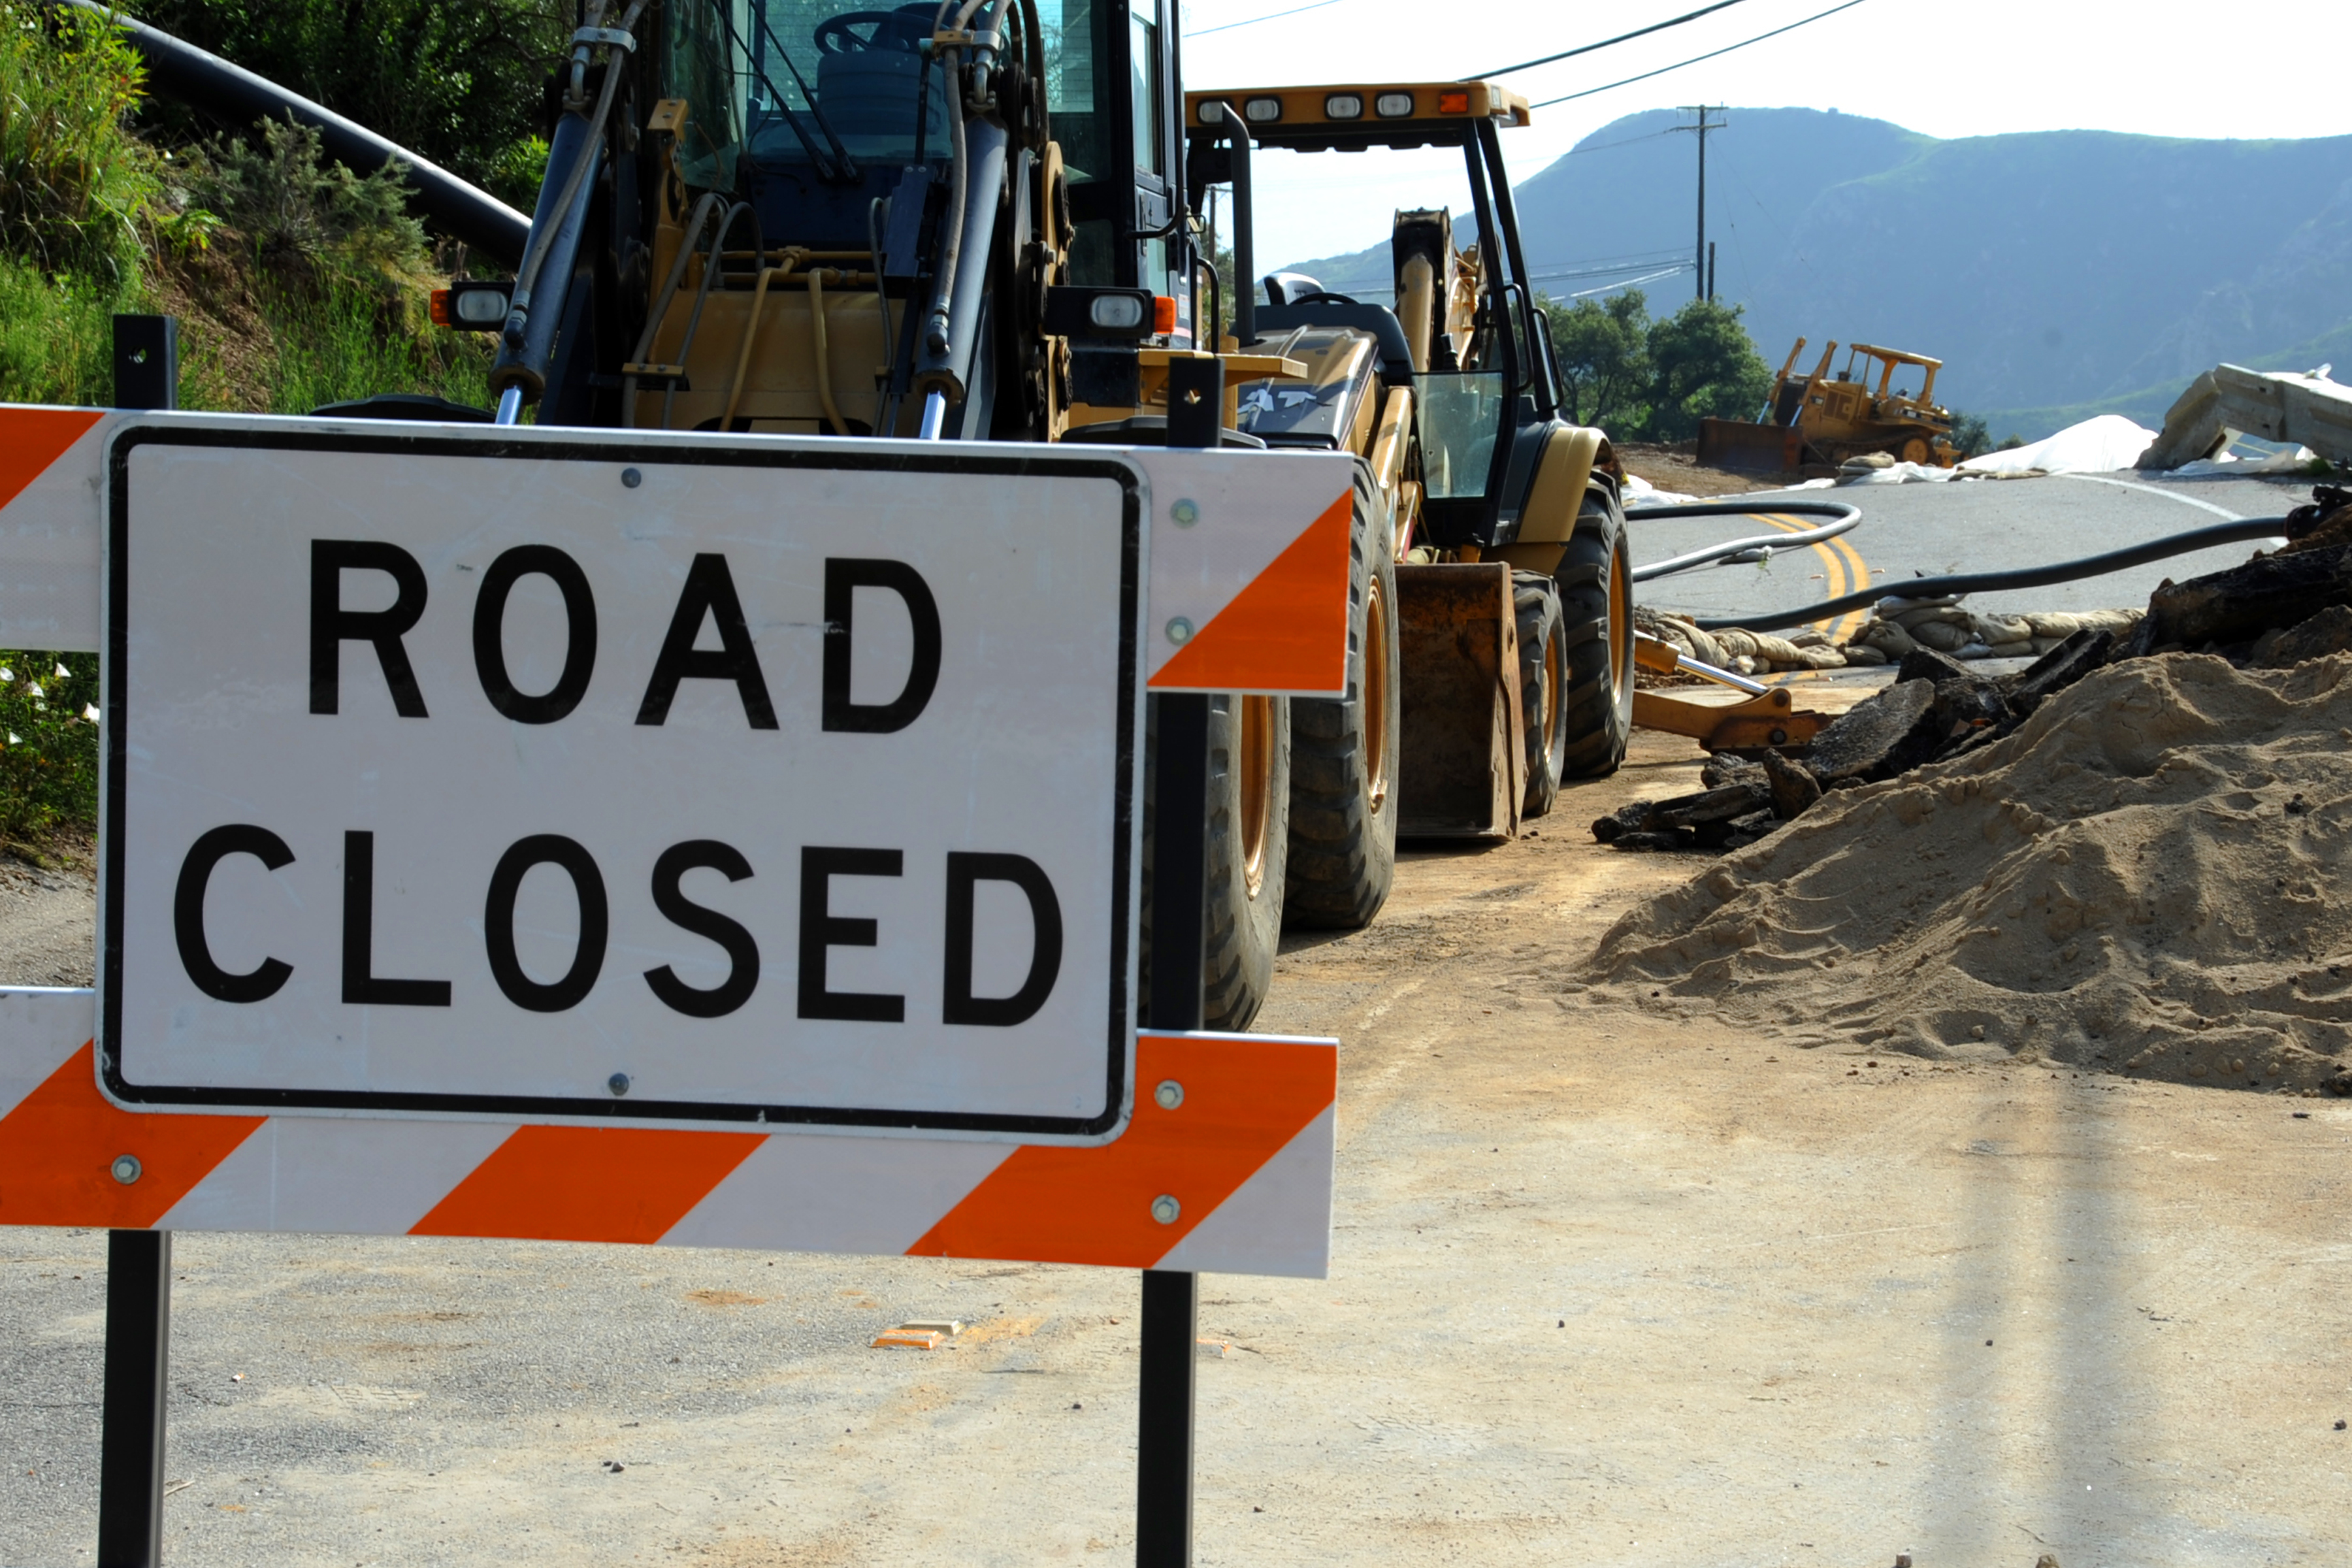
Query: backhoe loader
<point x="975" y="220"/>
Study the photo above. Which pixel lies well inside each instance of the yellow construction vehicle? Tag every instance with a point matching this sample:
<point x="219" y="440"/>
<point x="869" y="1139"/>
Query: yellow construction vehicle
<point x="974" y="220"/>
<point x="1822" y="421"/>
<point x="1502" y="541"/>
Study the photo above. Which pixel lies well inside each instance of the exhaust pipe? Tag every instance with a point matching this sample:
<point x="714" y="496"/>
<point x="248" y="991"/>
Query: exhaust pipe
<point x="181" y="71"/>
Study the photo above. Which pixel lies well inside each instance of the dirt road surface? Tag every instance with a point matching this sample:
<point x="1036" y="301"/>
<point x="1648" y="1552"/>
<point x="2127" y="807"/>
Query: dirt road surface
<point x="1604" y="1289"/>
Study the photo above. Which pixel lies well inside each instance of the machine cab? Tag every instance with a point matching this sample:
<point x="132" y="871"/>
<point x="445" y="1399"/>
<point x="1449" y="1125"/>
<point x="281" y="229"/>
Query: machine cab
<point x="1460" y="327"/>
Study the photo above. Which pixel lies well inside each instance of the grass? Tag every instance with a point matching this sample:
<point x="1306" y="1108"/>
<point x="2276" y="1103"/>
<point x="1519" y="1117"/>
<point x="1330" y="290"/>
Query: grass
<point x="337" y="347"/>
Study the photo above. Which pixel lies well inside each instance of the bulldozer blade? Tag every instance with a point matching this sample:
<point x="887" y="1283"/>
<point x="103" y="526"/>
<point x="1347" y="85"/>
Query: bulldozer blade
<point x="1749" y="449"/>
<point x="1463" y="772"/>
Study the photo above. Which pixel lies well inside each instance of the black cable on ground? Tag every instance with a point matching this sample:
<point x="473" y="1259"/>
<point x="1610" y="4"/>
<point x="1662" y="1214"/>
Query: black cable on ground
<point x="1843" y="519"/>
<point x="2196" y="539"/>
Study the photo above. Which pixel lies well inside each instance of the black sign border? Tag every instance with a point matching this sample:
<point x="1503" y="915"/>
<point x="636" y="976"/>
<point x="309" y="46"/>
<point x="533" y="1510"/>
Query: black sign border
<point x="719" y="452"/>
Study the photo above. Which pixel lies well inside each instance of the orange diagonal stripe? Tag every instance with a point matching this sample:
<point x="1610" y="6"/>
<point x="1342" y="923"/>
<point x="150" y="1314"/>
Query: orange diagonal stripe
<point x="58" y="1150"/>
<point x="1243" y="1099"/>
<point x="33" y="438"/>
<point x="1288" y="630"/>
<point x="588" y="1183"/>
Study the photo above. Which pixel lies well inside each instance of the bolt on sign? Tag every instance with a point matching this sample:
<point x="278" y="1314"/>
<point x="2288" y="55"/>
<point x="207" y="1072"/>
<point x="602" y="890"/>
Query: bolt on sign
<point x="485" y="812"/>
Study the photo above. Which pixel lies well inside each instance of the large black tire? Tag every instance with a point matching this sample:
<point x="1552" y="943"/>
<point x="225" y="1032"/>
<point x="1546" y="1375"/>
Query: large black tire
<point x="1244" y="900"/>
<point x="1596" y="603"/>
<point x="1242" y="915"/>
<point x="1543" y="681"/>
<point x="1343" y="751"/>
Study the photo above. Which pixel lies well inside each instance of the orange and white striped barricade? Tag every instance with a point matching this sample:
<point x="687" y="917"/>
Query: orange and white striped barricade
<point x="677" y="839"/>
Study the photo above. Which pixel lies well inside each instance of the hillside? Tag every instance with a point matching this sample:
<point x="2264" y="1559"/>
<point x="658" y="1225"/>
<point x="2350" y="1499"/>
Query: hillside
<point x="2054" y="272"/>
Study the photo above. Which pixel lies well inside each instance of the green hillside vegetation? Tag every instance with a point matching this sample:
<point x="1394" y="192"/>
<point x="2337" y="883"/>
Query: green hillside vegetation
<point x="297" y="282"/>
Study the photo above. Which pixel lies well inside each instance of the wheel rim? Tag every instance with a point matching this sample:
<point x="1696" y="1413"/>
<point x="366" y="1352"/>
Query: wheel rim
<point x="1257" y="787"/>
<point x="1377" y="749"/>
<point x="1620" y="618"/>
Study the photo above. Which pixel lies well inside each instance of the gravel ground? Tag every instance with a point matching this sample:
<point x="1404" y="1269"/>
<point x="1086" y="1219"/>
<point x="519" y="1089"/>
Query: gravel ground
<point x="1606" y="1286"/>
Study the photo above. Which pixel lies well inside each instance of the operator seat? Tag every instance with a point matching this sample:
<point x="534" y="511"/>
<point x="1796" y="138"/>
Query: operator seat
<point x="1319" y="309"/>
<point x="866" y="81"/>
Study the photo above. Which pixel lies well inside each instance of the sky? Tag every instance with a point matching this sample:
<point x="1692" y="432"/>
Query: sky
<point x="1975" y="70"/>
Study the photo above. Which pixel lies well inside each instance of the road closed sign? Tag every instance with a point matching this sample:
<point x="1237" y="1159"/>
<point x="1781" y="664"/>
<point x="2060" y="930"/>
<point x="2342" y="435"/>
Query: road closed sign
<point x="719" y="784"/>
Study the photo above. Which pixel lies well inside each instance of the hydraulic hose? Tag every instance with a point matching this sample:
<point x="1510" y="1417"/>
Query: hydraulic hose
<point x="937" y="335"/>
<point x="2196" y="539"/>
<point x="1843" y="520"/>
<point x="544" y="230"/>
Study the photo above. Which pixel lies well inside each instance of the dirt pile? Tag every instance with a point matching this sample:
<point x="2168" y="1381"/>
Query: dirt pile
<point x="2152" y="875"/>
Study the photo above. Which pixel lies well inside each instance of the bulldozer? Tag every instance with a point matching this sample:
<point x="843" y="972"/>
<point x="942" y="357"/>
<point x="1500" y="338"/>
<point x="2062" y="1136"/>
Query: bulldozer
<point x="976" y="220"/>
<point x="1819" y="421"/>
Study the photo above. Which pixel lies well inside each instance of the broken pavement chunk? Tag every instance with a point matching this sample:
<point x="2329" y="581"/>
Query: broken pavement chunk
<point x="1884" y="735"/>
<point x="2330" y="631"/>
<point x="2239" y="605"/>
<point x="1793" y="786"/>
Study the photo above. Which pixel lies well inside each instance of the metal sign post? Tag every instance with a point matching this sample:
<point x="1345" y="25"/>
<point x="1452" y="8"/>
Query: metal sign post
<point x="1170" y="1319"/>
<point x="432" y="723"/>
<point x="137" y="1262"/>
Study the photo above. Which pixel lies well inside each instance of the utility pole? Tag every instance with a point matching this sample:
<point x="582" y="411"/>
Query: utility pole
<point x="1699" y="261"/>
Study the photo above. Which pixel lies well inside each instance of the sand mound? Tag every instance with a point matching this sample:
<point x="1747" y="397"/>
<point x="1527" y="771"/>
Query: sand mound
<point x="2149" y="876"/>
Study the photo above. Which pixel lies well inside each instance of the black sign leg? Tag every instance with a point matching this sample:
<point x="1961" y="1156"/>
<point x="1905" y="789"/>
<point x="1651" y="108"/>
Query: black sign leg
<point x="1163" y="1453"/>
<point x="130" y="1450"/>
<point x="137" y="1262"/>
<point x="1163" y="1492"/>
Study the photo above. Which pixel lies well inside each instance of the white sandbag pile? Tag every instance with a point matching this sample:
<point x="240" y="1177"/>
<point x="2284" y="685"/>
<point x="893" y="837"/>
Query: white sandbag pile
<point x="1947" y="625"/>
<point x="1746" y="653"/>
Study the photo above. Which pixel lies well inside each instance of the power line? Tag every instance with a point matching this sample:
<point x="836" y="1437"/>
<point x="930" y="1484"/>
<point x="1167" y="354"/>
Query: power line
<point x="1590" y="91"/>
<point x="1622" y="38"/>
<point x="1254" y="21"/>
<point x="1629" y="283"/>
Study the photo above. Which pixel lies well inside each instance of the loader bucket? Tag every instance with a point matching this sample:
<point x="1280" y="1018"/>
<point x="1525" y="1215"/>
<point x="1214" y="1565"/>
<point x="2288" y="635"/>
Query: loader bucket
<point x="1749" y="449"/>
<point x="1462" y="772"/>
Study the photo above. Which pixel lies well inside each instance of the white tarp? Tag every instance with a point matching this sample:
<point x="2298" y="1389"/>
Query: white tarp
<point x="2100" y="446"/>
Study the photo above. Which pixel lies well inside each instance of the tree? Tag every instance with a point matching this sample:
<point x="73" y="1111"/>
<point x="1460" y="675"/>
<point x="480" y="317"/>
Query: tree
<point x="1603" y="351"/>
<point x="1969" y="435"/>
<point x="1703" y="364"/>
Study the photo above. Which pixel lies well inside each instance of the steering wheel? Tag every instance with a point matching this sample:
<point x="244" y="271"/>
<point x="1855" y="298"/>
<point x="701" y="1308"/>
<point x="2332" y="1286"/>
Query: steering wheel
<point x="1322" y="297"/>
<point x="833" y="35"/>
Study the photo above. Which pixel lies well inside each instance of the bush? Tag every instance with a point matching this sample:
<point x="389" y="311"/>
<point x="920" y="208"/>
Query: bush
<point x="75" y="185"/>
<point x="312" y="226"/>
<point x="48" y="742"/>
<point x="459" y="81"/>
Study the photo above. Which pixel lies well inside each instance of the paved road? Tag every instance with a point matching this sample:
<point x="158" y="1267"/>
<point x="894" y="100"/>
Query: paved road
<point x="1924" y="530"/>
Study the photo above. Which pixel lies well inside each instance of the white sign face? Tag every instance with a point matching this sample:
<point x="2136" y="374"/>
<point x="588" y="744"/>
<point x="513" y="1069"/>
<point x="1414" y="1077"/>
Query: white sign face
<point x="728" y="785"/>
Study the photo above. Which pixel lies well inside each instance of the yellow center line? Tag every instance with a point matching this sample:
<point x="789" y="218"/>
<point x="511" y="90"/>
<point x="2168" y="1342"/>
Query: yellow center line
<point x="1846" y="573"/>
